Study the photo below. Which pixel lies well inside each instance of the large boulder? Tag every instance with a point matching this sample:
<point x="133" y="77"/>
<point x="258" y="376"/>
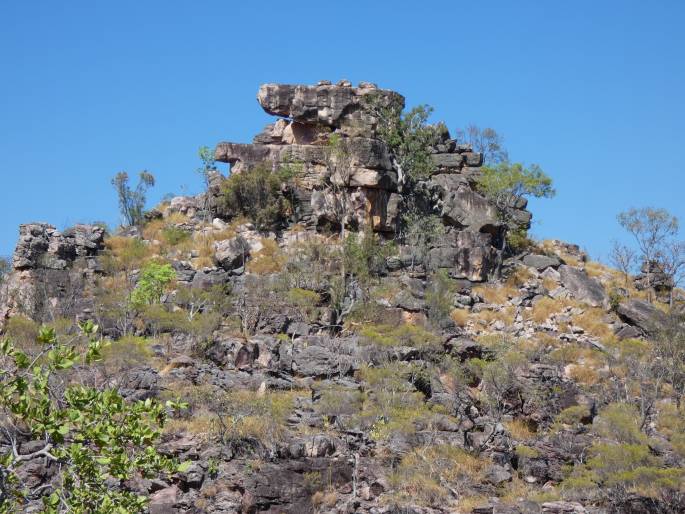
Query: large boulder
<point x="583" y="287"/>
<point x="340" y="106"/>
<point x="642" y="315"/>
<point x="231" y="253"/>
<point x="541" y="262"/>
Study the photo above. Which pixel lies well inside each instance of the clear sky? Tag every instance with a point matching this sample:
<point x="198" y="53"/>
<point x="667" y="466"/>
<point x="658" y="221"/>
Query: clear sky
<point x="590" y="90"/>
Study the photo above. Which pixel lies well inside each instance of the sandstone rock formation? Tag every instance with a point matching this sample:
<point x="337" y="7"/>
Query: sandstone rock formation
<point x="484" y="390"/>
<point x="51" y="271"/>
<point x="309" y="114"/>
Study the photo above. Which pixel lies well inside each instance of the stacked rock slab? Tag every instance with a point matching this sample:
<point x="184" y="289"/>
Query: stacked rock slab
<point x="307" y="117"/>
<point x="52" y="272"/>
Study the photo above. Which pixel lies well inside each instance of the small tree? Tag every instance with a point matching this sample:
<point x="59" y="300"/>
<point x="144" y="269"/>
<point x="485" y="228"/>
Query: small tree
<point x="339" y="165"/>
<point x="408" y="136"/>
<point x="486" y="141"/>
<point x="421" y="233"/>
<point x="153" y="280"/>
<point x="505" y="184"/>
<point x="132" y="201"/>
<point x="258" y="194"/>
<point x="5" y="268"/>
<point x="652" y="230"/>
<point x="206" y="171"/>
<point x="671" y="260"/>
<point x="624" y="258"/>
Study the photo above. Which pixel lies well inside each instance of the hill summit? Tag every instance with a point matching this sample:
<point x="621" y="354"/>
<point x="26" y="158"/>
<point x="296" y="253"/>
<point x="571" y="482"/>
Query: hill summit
<point x="352" y="321"/>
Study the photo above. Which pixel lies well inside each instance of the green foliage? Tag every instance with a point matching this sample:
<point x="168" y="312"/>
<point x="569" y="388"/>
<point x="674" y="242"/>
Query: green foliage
<point x="174" y="235"/>
<point x="305" y="301"/>
<point x="96" y="438"/>
<point x="132" y="201"/>
<point x="619" y="421"/>
<point x="408" y="135"/>
<point x="517" y="239"/>
<point x="421" y="232"/>
<point x="573" y="415"/>
<point x="257" y="194"/>
<point x="206" y="155"/>
<point x="153" y="280"/>
<point x="506" y="182"/>
<point x="615" y="471"/>
<point x="364" y="255"/>
<point x="504" y="185"/>
<point x="439" y="297"/>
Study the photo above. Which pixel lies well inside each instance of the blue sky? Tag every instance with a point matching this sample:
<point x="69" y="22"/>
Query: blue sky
<point x="590" y="90"/>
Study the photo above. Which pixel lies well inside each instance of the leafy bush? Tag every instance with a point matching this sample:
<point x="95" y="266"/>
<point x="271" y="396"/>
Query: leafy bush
<point x="258" y="194"/>
<point x="96" y="438"/>
<point x="439" y="297"/>
<point x="153" y="280"/>
<point x="407" y="134"/>
<point x="174" y="236"/>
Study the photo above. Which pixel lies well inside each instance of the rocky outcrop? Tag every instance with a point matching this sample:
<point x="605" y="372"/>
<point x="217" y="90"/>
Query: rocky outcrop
<point x="372" y="181"/>
<point x="52" y="272"/>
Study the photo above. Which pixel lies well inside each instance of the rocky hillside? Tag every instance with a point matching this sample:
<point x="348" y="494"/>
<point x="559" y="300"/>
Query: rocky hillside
<point x="351" y="339"/>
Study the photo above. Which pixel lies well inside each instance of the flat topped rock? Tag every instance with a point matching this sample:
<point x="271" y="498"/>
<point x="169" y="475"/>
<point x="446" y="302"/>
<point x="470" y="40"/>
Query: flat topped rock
<point x="323" y="104"/>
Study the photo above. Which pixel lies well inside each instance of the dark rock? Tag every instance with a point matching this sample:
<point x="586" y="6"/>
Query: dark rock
<point x="497" y="475"/>
<point x="582" y="287"/>
<point x="642" y="315"/>
<point x="541" y="262"/>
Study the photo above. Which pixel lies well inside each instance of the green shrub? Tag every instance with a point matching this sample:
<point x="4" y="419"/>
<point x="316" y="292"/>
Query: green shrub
<point x="174" y="235"/>
<point x="153" y="280"/>
<point x="620" y="422"/>
<point x="257" y="194"/>
<point x="439" y="297"/>
<point x="573" y="415"/>
<point x="94" y="437"/>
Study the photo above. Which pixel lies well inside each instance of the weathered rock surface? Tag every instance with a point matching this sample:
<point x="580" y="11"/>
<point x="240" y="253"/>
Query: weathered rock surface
<point x="311" y="113"/>
<point x="642" y="315"/>
<point x="52" y="272"/>
<point x="583" y="287"/>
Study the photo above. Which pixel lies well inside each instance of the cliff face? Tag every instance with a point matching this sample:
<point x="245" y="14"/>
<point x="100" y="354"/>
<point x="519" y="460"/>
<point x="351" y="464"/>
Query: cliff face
<point x="417" y="386"/>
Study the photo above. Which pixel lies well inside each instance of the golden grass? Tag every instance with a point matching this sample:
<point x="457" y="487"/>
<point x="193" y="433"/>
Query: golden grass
<point x="549" y="283"/>
<point x="324" y="499"/>
<point x="270" y="259"/>
<point x="591" y="321"/>
<point x="496" y="293"/>
<point x="545" y="307"/>
<point x="487" y="316"/>
<point x="520" y="430"/>
<point x="519" y="276"/>
<point x="460" y="317"/>
<point x="423" y="474"/>
<point x="583" y="374"/>
<point x="466" y="504"/>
